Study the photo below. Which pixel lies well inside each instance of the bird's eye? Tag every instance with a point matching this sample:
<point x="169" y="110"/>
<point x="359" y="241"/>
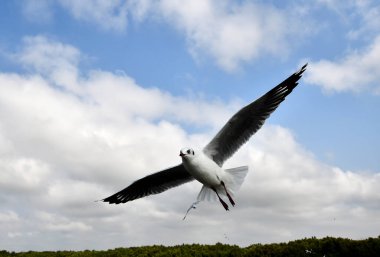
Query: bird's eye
<point x="188" y="151"/>
<point x="193" y="152"/>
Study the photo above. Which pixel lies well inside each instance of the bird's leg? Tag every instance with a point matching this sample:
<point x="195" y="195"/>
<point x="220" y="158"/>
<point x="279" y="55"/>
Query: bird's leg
<point x="221" y="200"/>
<point x="228" y="195"/>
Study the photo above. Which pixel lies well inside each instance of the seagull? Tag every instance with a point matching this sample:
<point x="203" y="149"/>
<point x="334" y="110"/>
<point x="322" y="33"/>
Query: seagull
<point x="206" y="165"/>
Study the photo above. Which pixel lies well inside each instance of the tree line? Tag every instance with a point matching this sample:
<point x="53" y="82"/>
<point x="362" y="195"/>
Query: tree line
<point x="309" y="247"/>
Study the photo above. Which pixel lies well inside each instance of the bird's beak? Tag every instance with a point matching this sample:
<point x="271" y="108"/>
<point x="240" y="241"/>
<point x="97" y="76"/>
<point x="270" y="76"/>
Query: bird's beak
<point x="181" y="154"/>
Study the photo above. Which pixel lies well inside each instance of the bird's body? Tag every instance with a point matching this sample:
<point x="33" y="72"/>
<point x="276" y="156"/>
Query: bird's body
<point x="202" y="168"/>
<point x="211" y="175"/>
<point x="206" y="165"/>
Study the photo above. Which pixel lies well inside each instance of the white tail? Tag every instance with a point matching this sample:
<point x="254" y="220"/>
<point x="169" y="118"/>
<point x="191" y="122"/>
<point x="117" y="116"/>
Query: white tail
<point x="233" y="179"/>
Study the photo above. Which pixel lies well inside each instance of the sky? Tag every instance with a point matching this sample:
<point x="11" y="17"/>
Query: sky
<point x="97" y="94"/>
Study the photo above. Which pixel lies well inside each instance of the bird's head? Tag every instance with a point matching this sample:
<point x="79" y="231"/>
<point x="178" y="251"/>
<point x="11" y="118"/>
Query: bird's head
<point x="186" y="152"/>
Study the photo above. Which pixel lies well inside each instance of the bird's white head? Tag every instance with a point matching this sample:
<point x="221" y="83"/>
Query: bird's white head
<point x="186" y="152"/>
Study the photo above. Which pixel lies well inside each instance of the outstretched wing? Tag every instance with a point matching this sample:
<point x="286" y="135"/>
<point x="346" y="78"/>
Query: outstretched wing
<point x="152" y="184"/>
<point x="248" y="120"/>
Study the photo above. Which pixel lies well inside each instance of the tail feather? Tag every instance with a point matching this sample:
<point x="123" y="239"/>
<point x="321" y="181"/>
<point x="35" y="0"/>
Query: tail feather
<point x="233" y="180"/>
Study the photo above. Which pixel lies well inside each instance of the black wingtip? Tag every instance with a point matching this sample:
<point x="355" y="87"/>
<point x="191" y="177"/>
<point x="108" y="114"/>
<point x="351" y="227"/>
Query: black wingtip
<point x="105" y="200"/>
<point x="113" y="199"/>
<point x="109" y="200"/>
<point x="291" y="82"/>
<point x="300" y="71"/>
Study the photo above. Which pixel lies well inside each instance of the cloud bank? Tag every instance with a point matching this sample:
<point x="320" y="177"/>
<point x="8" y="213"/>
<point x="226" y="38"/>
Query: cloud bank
<point x="229" y="33"/>
<point x="233" y="34"/>
<point x="357" y="69"/>
<point x="356" y="72"/>
<point x="68" y="138"/>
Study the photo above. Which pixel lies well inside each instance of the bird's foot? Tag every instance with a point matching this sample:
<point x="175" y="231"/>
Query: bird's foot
<point x="228" y="195"/>
<point x="231" y="200"/>
<point x="224" y="204"/>
<point x="221" y="200"/>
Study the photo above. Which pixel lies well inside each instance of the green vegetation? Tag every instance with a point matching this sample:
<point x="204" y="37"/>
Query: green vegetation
<point x="329" y="247"/>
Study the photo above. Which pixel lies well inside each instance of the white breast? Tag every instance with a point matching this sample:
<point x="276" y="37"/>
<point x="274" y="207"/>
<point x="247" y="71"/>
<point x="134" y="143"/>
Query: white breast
<point x="203" y="169"/>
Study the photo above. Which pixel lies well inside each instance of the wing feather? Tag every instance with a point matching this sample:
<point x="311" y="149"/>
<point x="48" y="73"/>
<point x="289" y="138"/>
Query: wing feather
<point x="152" y="184"/>
<point x="249" y="120"/>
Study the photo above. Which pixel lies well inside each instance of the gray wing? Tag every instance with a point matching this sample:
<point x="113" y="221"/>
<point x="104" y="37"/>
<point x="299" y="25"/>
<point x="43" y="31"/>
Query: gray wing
<point x="152" y="184"/>
<point x="249" y="120"/>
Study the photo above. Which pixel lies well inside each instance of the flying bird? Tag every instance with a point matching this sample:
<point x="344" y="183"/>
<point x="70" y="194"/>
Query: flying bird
<point x="206" y="165"/>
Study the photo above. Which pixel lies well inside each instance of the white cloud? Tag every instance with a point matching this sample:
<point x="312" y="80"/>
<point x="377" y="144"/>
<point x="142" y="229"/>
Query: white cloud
<point x="9" y="216"/>
<point x="71" y="149"/>
<point x="54" y="60"/>
<point x="110" y="15"/>
<point x="140" y="8"/>
<point x="357" y="71"/>
<point x="232" y="34"/>
<point x="46" y="55"/>
<point x="61" y="224"/>
<point x="22" y="175"/>
<point x="227" y="32"/>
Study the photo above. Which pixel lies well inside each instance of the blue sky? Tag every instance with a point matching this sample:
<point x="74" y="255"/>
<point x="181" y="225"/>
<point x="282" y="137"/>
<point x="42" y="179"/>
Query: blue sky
<point x="91" y="91"/>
